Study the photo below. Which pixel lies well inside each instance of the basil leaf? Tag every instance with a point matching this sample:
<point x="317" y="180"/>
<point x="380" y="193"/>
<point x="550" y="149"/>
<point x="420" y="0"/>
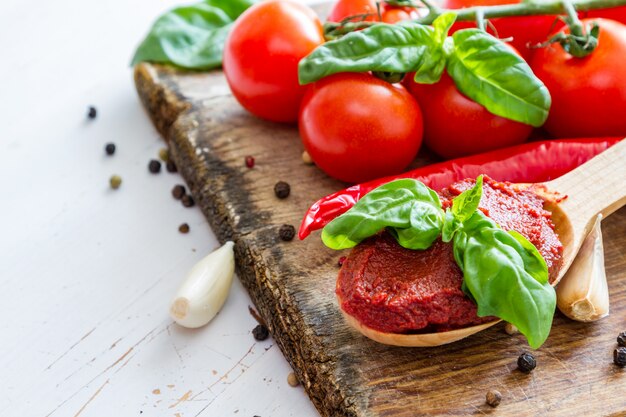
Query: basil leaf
<point x="490" y="73"/>
<point x="430" y="71"/>
<point x="507" y="277"/>
<point x="191" y="36"/>
<point x="465" y="204"/>
<point x="410" y="210"/>
<point x="397" y="48"/>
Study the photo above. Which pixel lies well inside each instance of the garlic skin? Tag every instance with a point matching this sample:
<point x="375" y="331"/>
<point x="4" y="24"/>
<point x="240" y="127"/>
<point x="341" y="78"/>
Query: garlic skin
<point x="583" y="293"/>
<point x="205" y="289"/>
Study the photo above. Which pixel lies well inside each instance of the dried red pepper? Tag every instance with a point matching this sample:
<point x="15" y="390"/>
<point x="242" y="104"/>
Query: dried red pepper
<point x="529" y="162"/>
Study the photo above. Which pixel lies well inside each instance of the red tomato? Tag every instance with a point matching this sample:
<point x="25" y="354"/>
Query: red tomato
<point x="346" y="8"/>
<point x="615" y="13"/>
<point x="455" y="125"/>
<point x="261" y="57"/>
<point x="357" y="127"/>
<point x="588" y="94"/>
<point x="525" y="30"/>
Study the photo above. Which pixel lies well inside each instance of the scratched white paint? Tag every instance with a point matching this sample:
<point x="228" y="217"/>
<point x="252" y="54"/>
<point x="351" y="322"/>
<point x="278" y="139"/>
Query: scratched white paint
<point x="87" y="273"/>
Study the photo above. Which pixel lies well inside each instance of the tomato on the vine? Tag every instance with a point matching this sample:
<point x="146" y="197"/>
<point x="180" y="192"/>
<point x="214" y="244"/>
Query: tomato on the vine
<point x="261" y="57"/>
<point x="588" y="94"/>
<point x="366" y="10"/>
<point x="455" y="125"/>
<point x="357" y="127"/>
<point x="525" y="30"/>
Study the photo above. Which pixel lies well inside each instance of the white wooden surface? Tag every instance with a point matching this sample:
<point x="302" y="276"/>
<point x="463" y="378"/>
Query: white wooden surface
<point x="87" y="273"/>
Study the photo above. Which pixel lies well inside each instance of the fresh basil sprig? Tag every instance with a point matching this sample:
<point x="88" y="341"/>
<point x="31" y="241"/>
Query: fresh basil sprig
<point x="191" y="36"/>
<point x="407" y="208"/>
<point x="482" y="67"/>
<point x="502" y="271"/>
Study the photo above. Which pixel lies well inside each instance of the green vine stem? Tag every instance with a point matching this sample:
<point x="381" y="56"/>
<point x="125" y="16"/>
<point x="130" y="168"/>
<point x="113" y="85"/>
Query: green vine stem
<point x="488" y="12"/>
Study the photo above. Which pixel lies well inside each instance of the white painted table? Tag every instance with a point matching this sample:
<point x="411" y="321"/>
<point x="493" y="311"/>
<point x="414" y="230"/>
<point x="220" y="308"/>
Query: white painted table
<point x="87" y="273"/>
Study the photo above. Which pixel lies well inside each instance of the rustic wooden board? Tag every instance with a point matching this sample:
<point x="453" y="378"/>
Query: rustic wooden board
<point x="292" y="283"/>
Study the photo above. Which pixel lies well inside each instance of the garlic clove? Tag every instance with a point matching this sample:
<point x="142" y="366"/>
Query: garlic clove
<point x="205" y="289"/>
<point x="583" y="293"/>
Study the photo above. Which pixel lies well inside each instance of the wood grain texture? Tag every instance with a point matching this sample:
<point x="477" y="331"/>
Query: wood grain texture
<point x="292" y="283"/>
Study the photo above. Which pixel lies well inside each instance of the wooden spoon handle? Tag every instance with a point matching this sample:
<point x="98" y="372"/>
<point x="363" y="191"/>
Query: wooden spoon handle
<point x="598" y="186"/>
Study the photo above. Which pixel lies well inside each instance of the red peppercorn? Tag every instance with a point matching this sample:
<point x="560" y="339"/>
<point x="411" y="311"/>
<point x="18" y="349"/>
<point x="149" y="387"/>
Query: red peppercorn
<point x="250" y="161"/>
<point x="341" y="261"/>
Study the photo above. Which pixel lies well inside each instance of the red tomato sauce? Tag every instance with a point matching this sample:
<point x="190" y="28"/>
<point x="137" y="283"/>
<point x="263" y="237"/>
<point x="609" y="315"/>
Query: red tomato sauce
<point x="397" y="290"/>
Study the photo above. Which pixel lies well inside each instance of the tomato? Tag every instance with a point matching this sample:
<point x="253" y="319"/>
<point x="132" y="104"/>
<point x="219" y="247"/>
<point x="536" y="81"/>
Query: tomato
<point x="390" y="14"/>
<point x="346" y="8"/>
<point x="615" y="13"/>
<point x="455" y="125"/>
<point x="588" y="94"/>
<point x="525" y="30"/>
<point x="357" y="127"/>
<point x="261" y="57"/>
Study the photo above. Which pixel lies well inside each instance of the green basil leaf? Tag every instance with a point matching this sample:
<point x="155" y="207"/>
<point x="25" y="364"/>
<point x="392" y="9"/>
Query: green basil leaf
<point x="507" y="277"/>
<point x="191" y="36"/>
<point x="430" y="71"/>
<point x="450" y="226"/>
<point x="490" y="73"/>
<point x="409" y="209"/>
<point x="465" y="204"/>
<point x="396" y="48"/>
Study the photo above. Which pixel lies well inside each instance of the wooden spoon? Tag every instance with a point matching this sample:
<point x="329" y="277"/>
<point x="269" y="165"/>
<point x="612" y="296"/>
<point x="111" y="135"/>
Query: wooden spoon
<point x="598" y="186"/>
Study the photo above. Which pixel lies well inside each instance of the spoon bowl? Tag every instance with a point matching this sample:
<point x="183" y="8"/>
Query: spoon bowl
<point x="575" y="200"/>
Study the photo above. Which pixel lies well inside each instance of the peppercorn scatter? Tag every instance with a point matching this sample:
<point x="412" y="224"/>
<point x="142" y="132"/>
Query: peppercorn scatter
<point x="526" y="362"/>
<point x="109" y="149"/>
<point x="164" y="154"/>
<point x="292" y="380"/>
<point x="115" y="181"/>
<point x="187" y="200"/>
<point x="282" y="189"/>
<point x="171" y="166"/>
<point x="178" y="192"/>
<point x="619" y="357"/>
<point x="154" y="166"/>
<point x="92" y="113"/>
<point x="260" y="332"/>
<point x="493" y="398"/>
<point x="286" y="232"/>
<point x="621" y="339"/>
<point x="249" y="161"/>
<point x="183" y="228"/>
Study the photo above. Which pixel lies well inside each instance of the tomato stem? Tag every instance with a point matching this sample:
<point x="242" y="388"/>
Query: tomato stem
<point x="480" y="19"/>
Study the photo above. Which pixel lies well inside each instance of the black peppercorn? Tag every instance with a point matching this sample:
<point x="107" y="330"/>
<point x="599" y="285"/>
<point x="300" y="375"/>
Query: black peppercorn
<point x="287" y="232"/>
<point x="171" y="166"/>
<point x="188" y="201"/>
<point x="154" y="166"/>
<point x="341" y="261"/>
<point x="249" y="161"/>
<point x="282" y="189"/>
<point x="493" y="398"/>
<point x="619" y="356"/>
<point x="183" y="228"/>
<point x="178" y="191"/>
<point x="109" y="148"/>
<point x="526" y="362"/>
<point x="92" y="112"/>
<point x="260" y="332"/>
<point x="621" y="339"/>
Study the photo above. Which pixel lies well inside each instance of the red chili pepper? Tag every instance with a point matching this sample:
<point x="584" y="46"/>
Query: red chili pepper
<point x="530" y="162"/>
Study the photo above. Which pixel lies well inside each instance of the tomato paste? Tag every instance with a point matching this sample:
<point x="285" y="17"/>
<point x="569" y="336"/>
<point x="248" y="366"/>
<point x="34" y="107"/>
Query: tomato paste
<point x="397" y="290"/>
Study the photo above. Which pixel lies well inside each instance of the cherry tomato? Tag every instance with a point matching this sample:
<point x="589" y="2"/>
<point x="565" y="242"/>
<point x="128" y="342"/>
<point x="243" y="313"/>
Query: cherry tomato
<point x="261" y="57"/>
<point x="525" y="30"/>
<point x="357" y="127"/>
<point x="588" y="94"/>
<point x="367" y="8"/>
<point x="615" y="13"/>
<point x="346" y="8"/>
<point x="455" y="125"/>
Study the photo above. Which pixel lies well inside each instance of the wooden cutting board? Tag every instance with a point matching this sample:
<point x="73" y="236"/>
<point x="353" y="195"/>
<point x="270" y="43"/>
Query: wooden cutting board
<point x="292" y="283"/>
